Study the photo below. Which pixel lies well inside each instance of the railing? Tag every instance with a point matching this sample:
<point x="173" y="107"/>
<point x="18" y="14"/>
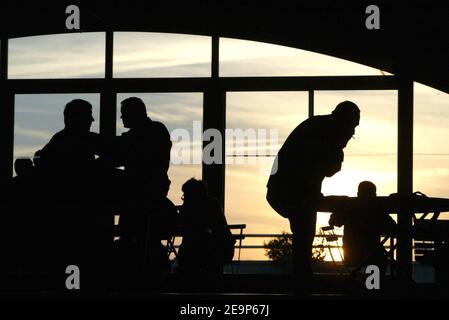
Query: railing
<point x="241" y="236"/>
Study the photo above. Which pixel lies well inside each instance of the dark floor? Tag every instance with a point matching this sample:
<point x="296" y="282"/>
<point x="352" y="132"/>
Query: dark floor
<point x="250" y="287"/>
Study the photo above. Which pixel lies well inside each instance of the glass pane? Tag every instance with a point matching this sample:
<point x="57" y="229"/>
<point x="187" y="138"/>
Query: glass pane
<point x="372" y="154"/>
<point x="182" y="114"/>
<point x="74" y="55"/>
<point x="139" y="55"/>
<point x="247" y="167"/>
<point x="431" y="150"/>
<point x="250" y="58"/>
<point x="39" y="116"/>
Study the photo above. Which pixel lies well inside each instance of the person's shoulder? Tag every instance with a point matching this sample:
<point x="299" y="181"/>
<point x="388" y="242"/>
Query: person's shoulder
<point x="94" y="134"/>
<point x="58" y="136"/>
<point x="312" y="122"/>
<point x="159" y="129"/>
<point x="320" y="119"/>
<point x="159" y="126"/>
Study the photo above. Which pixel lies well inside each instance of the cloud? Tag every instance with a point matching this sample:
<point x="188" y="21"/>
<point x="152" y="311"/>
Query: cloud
<point x="72" y="55"/>
<point x="143" y="54"/>
<point x="30" y="133"/>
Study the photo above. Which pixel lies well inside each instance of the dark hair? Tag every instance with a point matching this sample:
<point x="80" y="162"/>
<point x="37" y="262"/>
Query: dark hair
<point x="367" y="188"/>
<point x="195" y="187"/>
<point x="134" y="105"/>
<point x="75" y="107"/>
<point x="347" y="111"/>
<point x="346" y="108"/>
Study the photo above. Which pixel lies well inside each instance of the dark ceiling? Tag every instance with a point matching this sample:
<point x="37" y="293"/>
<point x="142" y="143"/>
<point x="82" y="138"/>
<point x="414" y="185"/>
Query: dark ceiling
<point x="413" y="40"/>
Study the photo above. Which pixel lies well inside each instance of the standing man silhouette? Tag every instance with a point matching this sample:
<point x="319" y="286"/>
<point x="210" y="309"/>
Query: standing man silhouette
<point x="312" y="151"/>
<point x="68" y="176"/>
<point x="144" y="151"/>
<point x="72" y="150"/>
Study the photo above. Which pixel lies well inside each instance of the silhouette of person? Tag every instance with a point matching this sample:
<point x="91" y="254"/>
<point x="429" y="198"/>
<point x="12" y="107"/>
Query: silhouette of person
<point x="361" y="238"/>
<point x="207" y="241"/>
<point x="72" y="150"/>
<point x="144" y="151"/>
<point x="69" y="175"/>
<point x="22" y="182"/>
<point x="23" y="167"/>
<point x="312" y="151"/>
<point x="17" y="231"/>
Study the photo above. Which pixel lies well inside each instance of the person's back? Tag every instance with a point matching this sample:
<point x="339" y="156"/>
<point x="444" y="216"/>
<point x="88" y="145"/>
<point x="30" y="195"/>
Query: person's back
<point x="147" y="150"/>
<point x="298" y="171"/>
<point x="72" y="150"/>
<point x="144" y="150"/>
<point x="69" y="158"/>
<point x="207" y="240"/>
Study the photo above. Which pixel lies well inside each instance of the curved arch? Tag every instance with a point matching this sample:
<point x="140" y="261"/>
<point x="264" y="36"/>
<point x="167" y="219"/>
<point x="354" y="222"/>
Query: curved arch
<point x="411" y="42"/>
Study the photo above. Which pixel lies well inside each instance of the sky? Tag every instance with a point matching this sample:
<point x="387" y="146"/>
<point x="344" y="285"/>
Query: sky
<point x="370" y="156"/>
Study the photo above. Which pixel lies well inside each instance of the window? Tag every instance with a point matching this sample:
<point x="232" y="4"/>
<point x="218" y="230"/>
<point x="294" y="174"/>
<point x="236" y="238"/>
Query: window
<point x="74" y="55"/>
<point x="247" y="167"/>
<point x="250" y="58"/>
<point x="139" y="55"/>
<point x="39" y="116"/>
<point x="431" y="149"/>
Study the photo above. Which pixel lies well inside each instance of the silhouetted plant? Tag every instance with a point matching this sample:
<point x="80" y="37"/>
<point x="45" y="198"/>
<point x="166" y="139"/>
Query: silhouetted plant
<point x="279" y="249"/>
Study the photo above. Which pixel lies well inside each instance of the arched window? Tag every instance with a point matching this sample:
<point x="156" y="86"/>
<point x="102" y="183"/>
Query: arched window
<point x="245" y="85"/>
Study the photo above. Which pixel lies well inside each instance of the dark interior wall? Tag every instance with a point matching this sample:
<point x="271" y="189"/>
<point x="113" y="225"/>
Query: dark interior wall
<point x="412" y="40"/>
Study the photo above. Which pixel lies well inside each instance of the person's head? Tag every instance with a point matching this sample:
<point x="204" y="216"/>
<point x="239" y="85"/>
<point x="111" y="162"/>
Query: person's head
<point x="194" y="190"/>
<point x="133" y="112"/>
<point x="78" y="115"/>
<point x="23" y="166"/>
<point x="347" y="118"/>
<point x="366" y="189"/>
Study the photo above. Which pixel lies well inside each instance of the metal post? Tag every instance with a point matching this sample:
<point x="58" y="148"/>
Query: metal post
<point x="215" y="62"/>
<point x="108" y="97"/>
<point x="311" y="103"/>
<point x="6" y="117"/>
<point x="405" y="176"/>
<point x="214" y="117"/>
<point x="108" y="101"/>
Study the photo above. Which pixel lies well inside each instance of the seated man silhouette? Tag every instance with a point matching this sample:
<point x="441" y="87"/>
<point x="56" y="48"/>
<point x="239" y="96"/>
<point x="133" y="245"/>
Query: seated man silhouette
<point x="361" y="238"/>
<point x="311" y="152"/>
<point x="207" y="242"/>
<point x="144" y="152"/>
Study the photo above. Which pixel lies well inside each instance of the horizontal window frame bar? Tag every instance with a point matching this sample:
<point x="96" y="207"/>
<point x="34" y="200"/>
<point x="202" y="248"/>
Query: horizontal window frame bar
<point x="228" y="84"/>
